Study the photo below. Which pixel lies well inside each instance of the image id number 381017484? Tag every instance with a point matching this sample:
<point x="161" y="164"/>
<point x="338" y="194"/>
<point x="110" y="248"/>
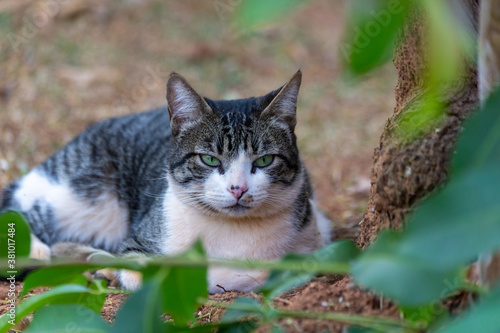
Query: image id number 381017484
<point x="11" y="242"/>
<point x="11" y="263"/>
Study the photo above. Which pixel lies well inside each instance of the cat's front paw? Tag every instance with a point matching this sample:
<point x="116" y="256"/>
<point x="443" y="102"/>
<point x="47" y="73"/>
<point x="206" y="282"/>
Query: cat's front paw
<point x="38" y="249"/>
<point x="222" y="279"/>
<point x="130" y="280"/>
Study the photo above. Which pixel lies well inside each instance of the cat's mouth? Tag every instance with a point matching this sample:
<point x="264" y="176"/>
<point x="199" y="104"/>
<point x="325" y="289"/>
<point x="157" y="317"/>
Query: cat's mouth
<point x="237" y="208"/>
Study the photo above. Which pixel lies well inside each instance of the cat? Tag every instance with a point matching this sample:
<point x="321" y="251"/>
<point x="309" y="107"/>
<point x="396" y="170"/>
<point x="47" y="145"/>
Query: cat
<point x="227" y="172"/>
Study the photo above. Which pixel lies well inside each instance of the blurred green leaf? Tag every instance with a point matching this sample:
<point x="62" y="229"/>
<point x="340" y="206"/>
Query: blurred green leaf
<point x="277" y="329"/>
<point x="371" y="33"/>
<point x="420" y="116"/>
<point x="65" y="294"/>
<point x="447" y="30"/>
<point x="355" y="329"/>
<point x="481" y="318"/>
<point x="339" y="251"/>
<point x="409" y="281"/>
<point x="280" y="281"/>
<point x="457" y="223"/>
<point x="479" y="143"/>
<point x="426" y="314"/>
<point x="181" y="290"/>
<point x="245" y="326"/>
<point x="242" y="308"/>
<point x="54" y="276"/>
<point x="67" y="318"/>
<point x="252" y="13"/>
<point x="142" y="310"/>
<point x="14" y="235"/>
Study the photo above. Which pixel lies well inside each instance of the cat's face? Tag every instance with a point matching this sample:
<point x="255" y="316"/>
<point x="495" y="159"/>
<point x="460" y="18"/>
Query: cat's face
<point x="237" y="158"/>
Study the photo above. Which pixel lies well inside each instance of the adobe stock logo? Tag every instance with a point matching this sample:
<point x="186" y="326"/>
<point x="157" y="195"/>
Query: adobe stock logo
<point x="363" y="35"/>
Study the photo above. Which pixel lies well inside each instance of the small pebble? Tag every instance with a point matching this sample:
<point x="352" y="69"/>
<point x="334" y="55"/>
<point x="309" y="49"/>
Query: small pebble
<point x="4" y="165"/>
<point x="408" y="171"/>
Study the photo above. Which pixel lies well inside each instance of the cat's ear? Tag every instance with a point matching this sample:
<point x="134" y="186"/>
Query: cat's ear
<point x="185" y="105"/>
<point x="284" y="104"/>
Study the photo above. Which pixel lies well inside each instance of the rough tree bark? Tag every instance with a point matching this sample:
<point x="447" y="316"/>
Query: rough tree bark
<point x="405" y="172"/>
<point x="489" y="77"/>
<point x="489" y="47"/>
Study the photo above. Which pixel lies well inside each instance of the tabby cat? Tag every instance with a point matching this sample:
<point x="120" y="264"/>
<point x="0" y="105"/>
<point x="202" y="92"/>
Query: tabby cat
<point x="227" y="172"/>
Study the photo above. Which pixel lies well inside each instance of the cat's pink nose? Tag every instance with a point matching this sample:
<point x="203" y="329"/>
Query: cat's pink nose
<point x="237" y="191"/>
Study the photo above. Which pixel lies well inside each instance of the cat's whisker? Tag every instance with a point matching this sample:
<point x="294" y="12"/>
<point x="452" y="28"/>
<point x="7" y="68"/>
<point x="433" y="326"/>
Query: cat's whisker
<point x="151" y="195"/>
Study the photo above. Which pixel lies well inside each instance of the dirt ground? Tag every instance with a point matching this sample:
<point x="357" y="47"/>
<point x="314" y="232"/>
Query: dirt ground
<point x="89" y="60"/>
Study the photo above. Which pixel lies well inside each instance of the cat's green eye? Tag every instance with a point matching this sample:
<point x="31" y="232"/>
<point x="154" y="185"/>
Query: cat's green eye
<point x="210" y="160"/>
<point x="263" y="161"/>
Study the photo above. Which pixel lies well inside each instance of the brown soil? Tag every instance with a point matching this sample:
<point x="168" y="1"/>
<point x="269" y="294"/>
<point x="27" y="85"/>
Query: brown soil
<point x="323" y="294"/>
<point x="112" y="305"/>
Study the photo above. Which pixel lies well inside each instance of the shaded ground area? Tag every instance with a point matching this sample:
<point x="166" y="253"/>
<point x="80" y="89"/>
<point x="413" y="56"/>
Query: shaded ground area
<point x="95" y="59"/>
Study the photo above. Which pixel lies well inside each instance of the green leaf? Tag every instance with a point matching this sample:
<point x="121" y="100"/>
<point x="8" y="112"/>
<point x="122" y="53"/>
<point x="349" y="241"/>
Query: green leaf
<point x="479" y="143"/>
<point x="424" y="114"/>
<point x="338" y="251"/>
<point x="67" y="318"/>
<point x="449" y="230"/>
<point x="355" y="329"/>
<point x="280" y="281"/>
<point x="371" y="32"/>
<point x="55" y="276"/>
<point x="481" y="318"/>
<point x="241" y="309"/>
<point x="181" y="290"/>
<point x="458" y="223"/>
<point x="14" y="235"/>
<point x="405" y="279"/>
<point x="66" y="294"/>
<point x="142" y="311"/>
<point x="424" y="315"/>
<point x="277" y="329"/>
<point x="447" y="31"/>
<point x="246" y="326"/>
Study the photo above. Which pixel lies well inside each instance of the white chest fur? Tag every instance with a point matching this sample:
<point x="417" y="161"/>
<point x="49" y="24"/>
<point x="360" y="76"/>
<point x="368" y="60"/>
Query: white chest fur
<point x="257" y="238"/>
<point x="224" y="239"/>
<point x="252" y="238"/>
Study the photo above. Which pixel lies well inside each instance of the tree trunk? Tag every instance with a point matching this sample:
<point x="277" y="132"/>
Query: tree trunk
<point x="405" y="172"/>
<point x="489" y="77"/>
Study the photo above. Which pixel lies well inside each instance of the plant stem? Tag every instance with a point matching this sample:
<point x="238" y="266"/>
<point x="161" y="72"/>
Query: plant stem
<point x="295" y="265"/>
